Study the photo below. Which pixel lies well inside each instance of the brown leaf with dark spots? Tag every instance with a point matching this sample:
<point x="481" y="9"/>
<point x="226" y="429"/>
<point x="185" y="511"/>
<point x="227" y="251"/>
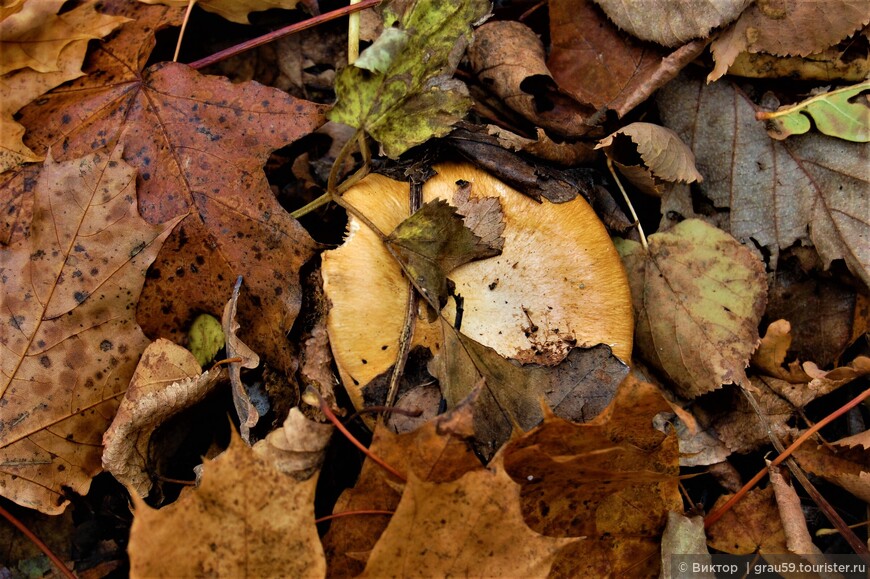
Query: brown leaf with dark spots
<point x="69" y="337"/>
<point x="595" y="63"/>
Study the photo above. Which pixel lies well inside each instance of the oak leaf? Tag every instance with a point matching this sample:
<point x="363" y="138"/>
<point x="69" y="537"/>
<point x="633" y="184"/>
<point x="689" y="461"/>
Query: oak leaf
<point x="246" y="518"/>
<point x="471" y="526"/>
<point x="233" y="10"/>
<point x="167" y="380"/>
<point x="69" y="336"/>
<point x="842" y="113"/>
<point x="698" y="297"/>
<point x="774" y="190"/>
<point x="199" y="144"/>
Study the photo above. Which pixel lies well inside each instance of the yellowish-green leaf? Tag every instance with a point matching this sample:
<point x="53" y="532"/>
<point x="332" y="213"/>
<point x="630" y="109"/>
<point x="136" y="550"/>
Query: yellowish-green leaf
<point x="698" y="296"/>
<point x="205" y="338"/>
<point x="400" y="90"/>
<point x="843" y="113"/>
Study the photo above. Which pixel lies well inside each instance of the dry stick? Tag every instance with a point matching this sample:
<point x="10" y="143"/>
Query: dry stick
<point x="324" y="407"/>
<point x="190" y="4"/>
<point x="630" y="206"/>
<point x="38" y="542"/>
<point x="351" y="513"/>
<point x="282" y="32"/>
<point x="857" y="545"/>
<point x="717" y="514"/>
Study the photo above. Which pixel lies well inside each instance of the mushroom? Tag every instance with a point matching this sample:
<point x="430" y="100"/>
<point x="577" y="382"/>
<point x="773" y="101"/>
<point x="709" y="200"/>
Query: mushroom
<point x="558" y="283"/>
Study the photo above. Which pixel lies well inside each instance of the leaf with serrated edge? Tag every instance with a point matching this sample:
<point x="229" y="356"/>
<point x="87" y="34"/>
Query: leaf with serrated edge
<point x="70" y="340"/>
<point x="698" y="297"/>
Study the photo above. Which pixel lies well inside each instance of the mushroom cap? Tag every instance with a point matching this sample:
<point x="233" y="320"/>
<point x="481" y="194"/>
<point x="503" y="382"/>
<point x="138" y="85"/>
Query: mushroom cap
<point x="559" y="281"/>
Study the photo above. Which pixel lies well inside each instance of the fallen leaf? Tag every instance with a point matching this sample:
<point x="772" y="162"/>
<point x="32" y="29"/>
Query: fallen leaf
<point x="664" y="157"/>
<point x="595" y="63"/>
<point x="167" y="380"/>
<point x="612" y="481"/>
<point x="35" y="36"/>
<point x="236" y="348"/>
<point x="246" y="518"/>
<point x="10" y="7"/>
<point x="791" y="513"/>
<point x="848" y="468"/>
<point x="199" y="144"/>
<point x="508" y="58"/>
<point x="684" y="536"/>
<point x="672" y="23"/>
<point x="205" y="338"/>
<point x="771" y="354"/>
<point x="842" y="113"/>
<point x="233" y="10"/>
<point x="775" y="191"/>
<point x="698" y="297"/>
<point x="736" y="422"/>
<point x="829" y="65"/>
<point x="403" y="100"/>
<point x="316" y="369"/>
<point x="565" y="153"/>
<point x="70" y="338"/>
<point x="431" y="531"/>
<point x="787" y="27"/>
<point x="297" y="448"/>
<point x="751" y="526"/>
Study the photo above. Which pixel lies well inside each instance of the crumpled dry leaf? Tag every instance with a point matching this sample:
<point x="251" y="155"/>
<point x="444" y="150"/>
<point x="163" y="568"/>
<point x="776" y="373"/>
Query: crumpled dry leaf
<point x="403" y="100"/>
<point x="248" y="414"/>
<point x="296" y="449"/>
<point x="738" y="426"/>
<point x="751" y="526"/>
<point x="471" y="526"/>
<point x="612" y="481"/>
<point x="35" y="36"/>
<point x="787" y="27"/>
<point x="698" y="296"/>
<point x="671" y="22"/>
<point x="848" y="467"/>
<point x="594" y="62"/>
<point x="791" y="513"/>
<point x="438" y="238"/>
<point x="233" y="10"/>
<point x="543" y="147"/>
<point x="664" y="157"/>
<point x="774" y="190"/>
<point x="842" y="113"/>
<point x="69" y="337"/>
<point x="245" y="519"/>
<point x="508" y="58"/>
<point x="167" y="380"/>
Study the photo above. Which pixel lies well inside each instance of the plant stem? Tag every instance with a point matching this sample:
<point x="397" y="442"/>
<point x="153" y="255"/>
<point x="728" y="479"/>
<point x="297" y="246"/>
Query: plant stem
<point x="65" y="571"/>
<point x="630" y="206"/>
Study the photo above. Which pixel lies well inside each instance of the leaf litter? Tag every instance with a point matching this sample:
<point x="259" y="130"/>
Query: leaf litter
<point x="462" y="289"/>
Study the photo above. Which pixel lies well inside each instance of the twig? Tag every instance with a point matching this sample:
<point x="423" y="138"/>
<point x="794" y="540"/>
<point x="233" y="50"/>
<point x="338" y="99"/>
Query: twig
<point x="630" y="206"/>
<point x="190" y="5"/>
<point x="38" y="542"/>
<point x="351" y="513"/>
<point x="281" y="33"/>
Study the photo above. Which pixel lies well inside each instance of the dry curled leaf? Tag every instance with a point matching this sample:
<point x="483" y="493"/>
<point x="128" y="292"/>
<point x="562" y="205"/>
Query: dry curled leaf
<point x="297" y="448"/>
<point x="245" y="519"/>
<point x="236" y="348"/>
<point x="751" y="526"/>
<point x="69" y="337"/>
<point x="698" y="296"/>
<point x="167" y="380"/>
<point x="233" y="10"/>
<point x="842" y="113"/>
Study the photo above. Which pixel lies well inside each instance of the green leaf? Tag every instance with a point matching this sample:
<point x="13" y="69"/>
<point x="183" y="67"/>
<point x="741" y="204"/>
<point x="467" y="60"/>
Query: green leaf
<point x="438" y="238"/>
<point x="205" y="338"/>
<point x="843" y="113"/>
<point x="400" y="90"/>
<point x="698" y="297"/>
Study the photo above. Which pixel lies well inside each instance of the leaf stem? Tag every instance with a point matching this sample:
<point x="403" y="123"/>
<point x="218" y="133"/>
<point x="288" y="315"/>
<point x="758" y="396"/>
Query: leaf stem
<point x="350" y="514"/>
<point x="65" y="571"/>
<point x="713" y="517"/>
<point x="190" y="5"/>
<point x="630" y="206"/>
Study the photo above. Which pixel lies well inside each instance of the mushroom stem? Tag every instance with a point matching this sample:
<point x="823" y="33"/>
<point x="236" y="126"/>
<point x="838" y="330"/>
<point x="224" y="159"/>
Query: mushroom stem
<point x="630" y="206"/>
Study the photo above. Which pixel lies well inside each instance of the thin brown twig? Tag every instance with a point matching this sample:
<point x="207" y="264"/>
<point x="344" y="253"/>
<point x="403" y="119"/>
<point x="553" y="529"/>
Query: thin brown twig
<point x="350" y="514"/>
<point x="61" y="566"/>
<point x="281" y="33"/>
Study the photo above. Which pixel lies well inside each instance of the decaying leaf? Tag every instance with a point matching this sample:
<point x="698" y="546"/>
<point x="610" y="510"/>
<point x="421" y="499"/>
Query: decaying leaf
<point x="684" y="536"/>
<point x="612" y="481"/>
<point x="848" y="467"/>
<point x="669" y="22"/>
<point x="580" y="297"/>
<point x="404" y="100"/>
<point x="664" y="157"/>
<point x="698" y="296"/>
<point x="437" y="239"/>
<point x="751" y="526"/>
<point x="794" y="523"/>
<point x="245" y="519"/>
<point x="297" y="448"/>
<point x="233" y="10"/>
<point x="843" y="113"/>
<point x="829" y="65"/>
<point x="787" y="27"/>
<point x="774" y="190"/>
<point x="248" y="414"/>
<point x="69" y="337"/>
<point x="35" y="36"/>
<point x="205" y="338"/>
<point x="508" y="57"/>
<point x="595" y="63"/>
<point x="432" y="533"/>
<point x="167" y="380"/>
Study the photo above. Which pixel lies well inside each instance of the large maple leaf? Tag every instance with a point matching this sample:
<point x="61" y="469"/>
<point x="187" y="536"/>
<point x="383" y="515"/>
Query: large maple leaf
<point x="68" y="335"/>
<point x="199" y="144"/>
